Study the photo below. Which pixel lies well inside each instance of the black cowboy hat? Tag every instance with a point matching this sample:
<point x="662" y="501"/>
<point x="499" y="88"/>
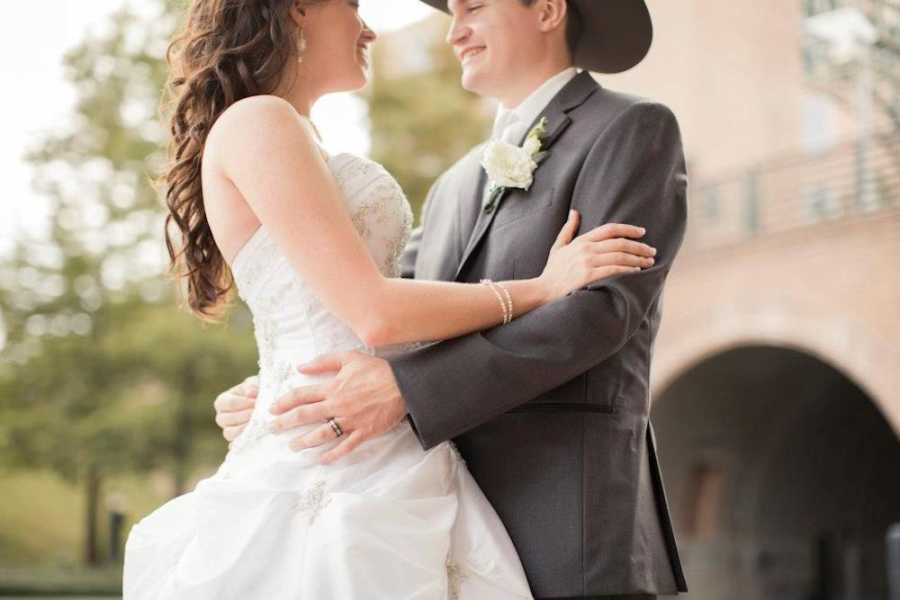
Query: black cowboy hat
<point x="615" y="36"/>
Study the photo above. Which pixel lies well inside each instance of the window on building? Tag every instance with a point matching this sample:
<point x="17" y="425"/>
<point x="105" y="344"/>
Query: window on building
<point x="751" y="202"/>
<point x="711" y="200"/>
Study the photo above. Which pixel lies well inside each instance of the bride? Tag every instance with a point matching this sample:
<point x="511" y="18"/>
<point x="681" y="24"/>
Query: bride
<point x="312" y="242"/>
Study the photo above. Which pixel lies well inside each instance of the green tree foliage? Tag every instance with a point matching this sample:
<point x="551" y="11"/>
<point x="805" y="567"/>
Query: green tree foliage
<point x="101" y="372"/>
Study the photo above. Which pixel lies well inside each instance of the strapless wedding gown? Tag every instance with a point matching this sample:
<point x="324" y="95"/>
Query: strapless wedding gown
<point x="389" y="521"/>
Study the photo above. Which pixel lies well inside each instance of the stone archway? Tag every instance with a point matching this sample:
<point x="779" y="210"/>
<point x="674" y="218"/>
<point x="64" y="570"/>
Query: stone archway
<point x="781" y="473"/>
<point x="692" y="337"/>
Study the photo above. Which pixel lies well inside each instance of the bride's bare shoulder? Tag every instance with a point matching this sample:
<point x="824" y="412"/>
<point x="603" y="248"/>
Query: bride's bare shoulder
<point x="254" y="121"/>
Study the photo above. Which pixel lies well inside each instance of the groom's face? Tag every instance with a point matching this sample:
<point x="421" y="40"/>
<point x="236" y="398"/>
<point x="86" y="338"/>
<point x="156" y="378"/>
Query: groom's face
<point x="492" y="40"/>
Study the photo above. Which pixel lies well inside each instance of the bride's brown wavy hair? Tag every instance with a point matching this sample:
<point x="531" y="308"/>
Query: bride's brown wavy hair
<point x="226" y="51"/>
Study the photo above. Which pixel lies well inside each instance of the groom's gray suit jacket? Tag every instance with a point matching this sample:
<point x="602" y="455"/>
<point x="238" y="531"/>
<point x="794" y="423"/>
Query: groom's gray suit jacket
<point x="551" y="412"/>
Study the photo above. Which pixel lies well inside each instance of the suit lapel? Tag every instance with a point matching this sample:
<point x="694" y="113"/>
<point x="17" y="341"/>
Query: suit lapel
<point x="573" y="94"/>
<point x="470" y="190"/>
<point x="472" y="182"/>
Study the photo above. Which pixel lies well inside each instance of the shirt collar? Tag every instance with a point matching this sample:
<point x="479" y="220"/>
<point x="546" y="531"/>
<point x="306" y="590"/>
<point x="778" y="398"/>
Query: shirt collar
<point x="529" y="109"/>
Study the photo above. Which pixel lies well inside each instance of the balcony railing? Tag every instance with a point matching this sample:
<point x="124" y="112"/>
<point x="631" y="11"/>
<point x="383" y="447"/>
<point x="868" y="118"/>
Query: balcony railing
<point x="852" y="179"/>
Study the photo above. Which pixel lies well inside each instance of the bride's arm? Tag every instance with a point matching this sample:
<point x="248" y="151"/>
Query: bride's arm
<point x="268" y="153"/>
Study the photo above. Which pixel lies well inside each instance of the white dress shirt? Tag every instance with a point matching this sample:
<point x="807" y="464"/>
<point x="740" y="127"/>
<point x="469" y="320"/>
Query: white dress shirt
<point x="510" y="124"/>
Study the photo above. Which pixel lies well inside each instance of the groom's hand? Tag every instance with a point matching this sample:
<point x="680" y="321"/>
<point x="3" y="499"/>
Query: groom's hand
<point x="363" y="398"/>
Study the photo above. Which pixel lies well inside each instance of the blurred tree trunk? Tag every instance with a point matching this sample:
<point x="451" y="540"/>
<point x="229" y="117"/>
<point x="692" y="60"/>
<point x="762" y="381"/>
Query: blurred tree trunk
<point x="93" y="482"/>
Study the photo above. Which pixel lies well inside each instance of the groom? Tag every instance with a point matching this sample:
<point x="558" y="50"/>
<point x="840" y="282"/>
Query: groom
<point x="550" y="412"/>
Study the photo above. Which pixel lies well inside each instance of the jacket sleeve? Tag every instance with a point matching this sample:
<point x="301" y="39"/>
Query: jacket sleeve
<point x="411" y="251"/>
<point x="634" y="173"/>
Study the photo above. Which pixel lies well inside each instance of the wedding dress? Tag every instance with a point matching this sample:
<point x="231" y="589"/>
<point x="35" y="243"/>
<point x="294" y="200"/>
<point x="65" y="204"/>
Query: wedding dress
<point x="388" y="521"/>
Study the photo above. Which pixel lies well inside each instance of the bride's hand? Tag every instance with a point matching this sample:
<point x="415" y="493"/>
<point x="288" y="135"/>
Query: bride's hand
<point x="602" y="252"/>
<point x="234" y="407"/>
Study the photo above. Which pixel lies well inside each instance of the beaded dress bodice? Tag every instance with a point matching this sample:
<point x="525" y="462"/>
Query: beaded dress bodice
<point x="291" y="324"/>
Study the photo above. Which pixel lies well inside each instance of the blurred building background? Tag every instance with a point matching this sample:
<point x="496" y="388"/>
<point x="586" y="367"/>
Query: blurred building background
<point x="776" y="383"/>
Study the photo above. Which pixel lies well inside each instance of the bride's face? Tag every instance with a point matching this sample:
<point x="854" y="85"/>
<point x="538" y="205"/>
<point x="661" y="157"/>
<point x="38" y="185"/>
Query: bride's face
<point x="337" y="46"/>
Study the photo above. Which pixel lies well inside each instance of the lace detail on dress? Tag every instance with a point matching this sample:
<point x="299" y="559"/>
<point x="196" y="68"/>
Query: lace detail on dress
<point x="311" y="501"/>
<point x="378" y="212"/>
<point x="455" y="576"/>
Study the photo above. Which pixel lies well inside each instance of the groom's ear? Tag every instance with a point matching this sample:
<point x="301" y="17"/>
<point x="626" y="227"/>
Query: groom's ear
<point x="552" y="14"/>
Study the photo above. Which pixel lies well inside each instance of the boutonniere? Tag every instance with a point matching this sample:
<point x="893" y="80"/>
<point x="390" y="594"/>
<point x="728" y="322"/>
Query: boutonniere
<point x="510" y="166"/>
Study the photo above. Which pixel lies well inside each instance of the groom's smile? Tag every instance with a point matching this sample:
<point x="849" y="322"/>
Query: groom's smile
<point x="467" y="54"/>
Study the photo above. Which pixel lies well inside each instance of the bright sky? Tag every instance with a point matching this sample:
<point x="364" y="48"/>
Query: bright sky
<point x="35" y="35"/>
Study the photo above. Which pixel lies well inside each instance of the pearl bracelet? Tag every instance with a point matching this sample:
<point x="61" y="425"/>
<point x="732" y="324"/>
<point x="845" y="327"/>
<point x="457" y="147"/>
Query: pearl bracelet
<point x="508" y="300"/>
<point x="496" y="288"/>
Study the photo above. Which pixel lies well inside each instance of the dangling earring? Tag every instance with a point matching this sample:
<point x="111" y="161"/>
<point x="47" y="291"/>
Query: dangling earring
<point x="301" y="45"/>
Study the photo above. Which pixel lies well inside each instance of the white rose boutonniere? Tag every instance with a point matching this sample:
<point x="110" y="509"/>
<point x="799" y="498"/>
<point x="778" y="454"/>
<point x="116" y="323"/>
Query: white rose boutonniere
<point x="510" y="166"/>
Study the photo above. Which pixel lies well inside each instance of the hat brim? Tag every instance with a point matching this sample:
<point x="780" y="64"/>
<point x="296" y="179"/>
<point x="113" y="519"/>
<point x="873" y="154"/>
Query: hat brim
<point x="616" y="34"/>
